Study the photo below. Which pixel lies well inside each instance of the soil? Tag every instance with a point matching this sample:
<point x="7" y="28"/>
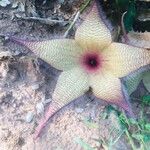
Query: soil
<point x="26" y="86"/>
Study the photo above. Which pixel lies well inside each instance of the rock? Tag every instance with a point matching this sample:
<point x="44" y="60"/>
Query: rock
<point x="5" y="54"/>
<point x="4" y="3"/>
<point x="40" y="108"/>
<point x="29" y="117"/>
<point x="35" y="86"/>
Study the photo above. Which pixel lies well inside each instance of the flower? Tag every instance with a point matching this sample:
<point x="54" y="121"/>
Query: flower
<point x="93" y="60"/>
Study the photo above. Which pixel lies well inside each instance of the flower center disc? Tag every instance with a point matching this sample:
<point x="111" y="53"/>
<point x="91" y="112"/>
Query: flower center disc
<point x="91" y="62"/>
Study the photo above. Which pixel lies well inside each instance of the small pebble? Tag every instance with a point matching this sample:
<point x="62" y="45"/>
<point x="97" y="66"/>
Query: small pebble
<point x="14" y="105"/>
<point x="17" y="52"/>
<point x="29" y="117"/>
<point x="40" y="108"/>
<point x="79" y="110"/>
<point x="35" y="86"/>
<point x="5" y="54"/>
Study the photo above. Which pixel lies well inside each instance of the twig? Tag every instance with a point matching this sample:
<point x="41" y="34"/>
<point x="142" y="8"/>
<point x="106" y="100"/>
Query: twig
<point x="82" y="8"/>
<point x="44" y="20"/>
<point x="72" y="24"/>
<point x="128" y="134"/>
<point x="130" y="140"/>
<point x="123" y="28"/>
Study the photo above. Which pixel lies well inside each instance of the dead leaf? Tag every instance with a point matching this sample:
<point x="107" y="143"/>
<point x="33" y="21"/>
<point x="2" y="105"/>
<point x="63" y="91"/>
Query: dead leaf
<point x="133" y="81"/>
<point x="146" y="80"/>
<point x="144" y="15"/>
<point x="139" y="39"/>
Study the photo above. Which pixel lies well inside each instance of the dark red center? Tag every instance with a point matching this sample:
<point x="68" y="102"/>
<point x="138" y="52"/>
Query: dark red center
<point x="91" y="62"/>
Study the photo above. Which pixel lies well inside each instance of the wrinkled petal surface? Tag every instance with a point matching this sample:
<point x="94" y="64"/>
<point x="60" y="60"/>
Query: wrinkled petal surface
<point x="122" y="59"/>
<point x="107" y="87"/>
<point x="70" y="85"/>
<point x="93" y="33"/>
<point x="62" y="54"/>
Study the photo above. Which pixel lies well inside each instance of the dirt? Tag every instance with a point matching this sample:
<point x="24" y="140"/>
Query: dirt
<point x="26" y="82"/>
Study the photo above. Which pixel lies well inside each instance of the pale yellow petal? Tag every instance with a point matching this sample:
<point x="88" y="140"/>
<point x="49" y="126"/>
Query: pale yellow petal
<point x="93" y="33"/>
<point x="108" y="88"/>
<point x="122" y="59"/>
<point x="70" y="85"/>
<point x="62" y="54"/>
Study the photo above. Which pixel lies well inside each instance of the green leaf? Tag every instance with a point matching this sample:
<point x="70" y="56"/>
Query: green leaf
<point x="146" y="138"/>
<point x="146" y="80"/>
<point x="83" y="144"/>
<point x="146" y="99"/>
<point x="132" y="121"/>
<point x="147" y="126"/>
<point x="138" y="136"/>
<point x="130" y="16"/>
<point x="109" y="109"/>
<point x="123" y="122"/>
<point x="143" y="137"/>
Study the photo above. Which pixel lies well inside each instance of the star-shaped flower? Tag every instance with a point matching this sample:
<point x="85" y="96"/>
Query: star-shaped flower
<point x="89" y="60"/>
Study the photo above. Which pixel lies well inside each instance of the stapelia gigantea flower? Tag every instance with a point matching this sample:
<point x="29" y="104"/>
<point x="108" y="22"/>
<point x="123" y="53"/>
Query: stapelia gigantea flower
<point x="89" y="60"/>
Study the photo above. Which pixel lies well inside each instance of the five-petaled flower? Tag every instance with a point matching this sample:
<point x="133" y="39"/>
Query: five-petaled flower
<point x="89" y="60"/>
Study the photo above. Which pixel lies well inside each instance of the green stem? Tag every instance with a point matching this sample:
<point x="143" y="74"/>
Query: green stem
<point x="128" y="134"/>
<point x="130" y="140"/>
<point x="82" y="8"/>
